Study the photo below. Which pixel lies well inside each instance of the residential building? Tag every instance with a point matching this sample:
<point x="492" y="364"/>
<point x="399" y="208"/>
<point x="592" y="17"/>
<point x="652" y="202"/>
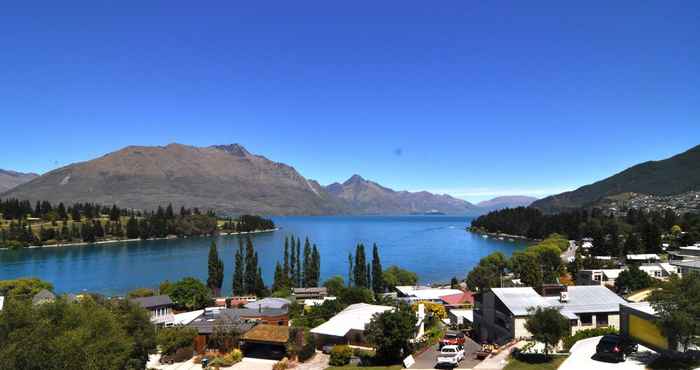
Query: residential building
<point x="691" y="252"/>
<point x="317" y="302"/>
<point x="686" y="267"/>
<point x="500" y="314"/>
<point x="269" y="303"/>
<point x="637" y="321"/>
<point x="268" y="339"/>
<point x="348" y="326"/>
<point x="215" y="318"/>
<point x="461" y="317"/>
<point x="659" y="270"/>
<point x="160" y="306"/>
<point x="424" y="293"/>
<point x="462" y="299"/>
<point x="310" y="293"/>
<point x="642" y="258"/>
<point x="44" y="296"/>
<point x="2" y="302"/>
<point x="598" y="276"/>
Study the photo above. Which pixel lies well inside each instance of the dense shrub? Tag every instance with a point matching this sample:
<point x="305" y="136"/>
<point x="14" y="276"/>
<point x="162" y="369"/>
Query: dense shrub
<point x="366" y="357"/>
<point x="587" y="333"/>
<point x="183" y="354"/>
<point x="308" y="350"/>
<point x="171" y="339"/>
<point x="340" y="355"/>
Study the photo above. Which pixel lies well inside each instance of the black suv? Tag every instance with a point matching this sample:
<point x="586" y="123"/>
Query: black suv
<point x="615" y="347"/>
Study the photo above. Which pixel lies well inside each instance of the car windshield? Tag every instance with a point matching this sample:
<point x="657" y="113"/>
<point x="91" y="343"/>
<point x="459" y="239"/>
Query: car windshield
<point x="448" y="350"/>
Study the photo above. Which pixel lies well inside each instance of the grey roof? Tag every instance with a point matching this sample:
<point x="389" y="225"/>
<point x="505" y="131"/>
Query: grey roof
<point x="689" y="264"/>
<point x="153" y="301"/>
<point x="518" y="300"/>
<point x="268" y="303"/>
<point x="229" y="319"/>
<point x="310" y="290"/>
<point x="581" y="299"/>
<point x="42" y="296"/>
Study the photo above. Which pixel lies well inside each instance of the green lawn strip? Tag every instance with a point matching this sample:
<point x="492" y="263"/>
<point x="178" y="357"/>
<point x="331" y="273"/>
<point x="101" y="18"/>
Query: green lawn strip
<point x="552" y="364"/>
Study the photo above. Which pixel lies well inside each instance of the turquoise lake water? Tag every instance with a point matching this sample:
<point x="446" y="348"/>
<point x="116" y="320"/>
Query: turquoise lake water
<point x="435" y="247"/>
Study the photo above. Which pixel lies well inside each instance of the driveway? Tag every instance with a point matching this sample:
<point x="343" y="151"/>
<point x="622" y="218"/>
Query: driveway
<point x="582" y="358"/>
<point x="426" y="360"/>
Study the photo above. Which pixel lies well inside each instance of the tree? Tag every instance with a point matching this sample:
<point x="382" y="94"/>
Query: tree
<point x="632" y="244"/>
<point x="377" y="279"/>
<point x="488" y="273"/>
<point x="23" y="288"/>
<point x="238" y="271"/>
<point x="140" y="293"/>
<point x="547" y="326"/>
<point x="278" y="282"/>
<point x="632" y="279"/>
<point x="215" y="269"/>
<point x="360" y="273"/>
<point x="285" y="269"/>
<point x="293" y="265"/>
<point x="132" y="228"/>
<point x="526" y="267"/>
<point x="395" y="276"/>
<point x="188" y="293"/>
<point x="335" y="285"/>
<point x="315" y="266"/>
<point x="298" y="278"/>
<point x="251" y="268"/>
<point x="454" y="283"/>
<point x="677" y="305"/>
<point x="356" y="294"/>
<point x="390" y="333"/>
<point x="307" y="276"/>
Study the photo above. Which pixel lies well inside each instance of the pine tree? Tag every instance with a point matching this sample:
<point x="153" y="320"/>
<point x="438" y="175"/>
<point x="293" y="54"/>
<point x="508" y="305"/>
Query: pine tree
<point x="278" y="281"/>
<point x="377" y="279"/>
<point x="132" y="228"/>
<point x="293" y="266"/>
<point x="238" y="271"/>
<point x="260" y="288"/>
<point x="351" y="270"/>
<point x="215" y="269"/>
<point x="316" y="264"/>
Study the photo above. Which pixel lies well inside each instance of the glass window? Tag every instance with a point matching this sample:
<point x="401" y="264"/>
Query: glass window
<point x="601" y="319"/>
<point x="586" y="319"/>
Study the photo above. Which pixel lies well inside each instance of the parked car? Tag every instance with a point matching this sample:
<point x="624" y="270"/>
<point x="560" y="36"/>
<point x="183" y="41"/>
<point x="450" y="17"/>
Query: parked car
<point x="615" y="347"/>
<point x="450" y="356"/>
<point x="452" y="338"/>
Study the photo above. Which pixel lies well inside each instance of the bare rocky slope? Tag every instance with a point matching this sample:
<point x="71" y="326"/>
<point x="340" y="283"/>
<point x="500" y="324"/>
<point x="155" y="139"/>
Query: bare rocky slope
<point x="225" y="178"/>
<point x="10" y="179"/>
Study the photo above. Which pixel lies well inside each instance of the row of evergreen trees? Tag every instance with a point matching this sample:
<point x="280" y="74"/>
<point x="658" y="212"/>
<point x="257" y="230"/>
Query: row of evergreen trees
<point x="363" y="274"/>
<point x="297" y="270"/>
<point x="247" y="275"/>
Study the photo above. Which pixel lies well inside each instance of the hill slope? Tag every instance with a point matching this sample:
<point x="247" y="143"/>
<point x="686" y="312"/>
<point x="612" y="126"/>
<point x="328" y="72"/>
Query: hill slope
<point x="227" y="179"/>
<point x="509" y="201"/>
<point x="11" y="179"/>
<point x="675" y="175"/>
<point x="367" y="197"/>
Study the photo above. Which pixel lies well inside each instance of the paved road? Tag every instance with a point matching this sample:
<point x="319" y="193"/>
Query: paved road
<point x="583" y="351"/>
<point x="426" y="360"/>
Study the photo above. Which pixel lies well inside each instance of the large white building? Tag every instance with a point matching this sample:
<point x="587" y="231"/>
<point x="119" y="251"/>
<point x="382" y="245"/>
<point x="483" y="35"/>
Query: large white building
<point x="500" y="314"/>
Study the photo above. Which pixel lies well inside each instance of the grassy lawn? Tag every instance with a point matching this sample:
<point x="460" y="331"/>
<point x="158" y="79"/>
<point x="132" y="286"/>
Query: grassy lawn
<point x="350" y="367"/>
<point x="536" y="364"/>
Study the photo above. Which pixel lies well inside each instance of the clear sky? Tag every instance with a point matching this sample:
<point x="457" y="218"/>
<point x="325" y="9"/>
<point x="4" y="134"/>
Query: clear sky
<point x="471" y="98"/>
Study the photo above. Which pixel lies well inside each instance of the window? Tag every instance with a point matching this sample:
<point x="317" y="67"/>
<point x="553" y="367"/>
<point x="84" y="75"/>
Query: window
<point x="601" y="319"/>
<point x="586" y="319"/>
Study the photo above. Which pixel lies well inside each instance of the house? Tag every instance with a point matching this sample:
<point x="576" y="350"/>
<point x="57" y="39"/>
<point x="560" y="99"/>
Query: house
<point x="686" y="267"/>
<point x="2" y="302"/>
<point x="461" y="317"/>
<point x="268" y="339"/>
<point x="317" y="302"/>
<point x="214" y="318"/>
<point x="638" y="322"/>
<point x="269" y="303"/>
<point x="461" y="299"/>
<point x="348" y="326"/>
<point x="642" y="258"/>
<point x="659" y="270"/>
<point x="500" y="314"/>
<point x="598" y="277"/>
<point x="160" y="306"/>
<point x="236" y="301"/>
<point x="44" y="296"/>
<point x="310" y="293"/>
<point x="691" y="252"/>
<point x="423" y="293"/>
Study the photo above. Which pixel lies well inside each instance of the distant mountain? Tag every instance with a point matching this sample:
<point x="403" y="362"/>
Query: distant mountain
<point x="11" y="179"/>
<point x="510" y="201"/>
<point x="226" y="178"/>
<point x="675" y="175"/>
<point x="367" y="197"/>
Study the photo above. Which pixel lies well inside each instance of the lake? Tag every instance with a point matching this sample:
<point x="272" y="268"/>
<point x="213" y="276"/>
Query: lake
<point x="435" y="247"/>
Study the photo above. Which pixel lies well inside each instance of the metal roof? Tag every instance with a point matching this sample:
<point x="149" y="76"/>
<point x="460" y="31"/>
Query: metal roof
<point x="268" y="303"/>
<point x="153" y="301"/>
<point x="354" y="317"/>
<point x="519" y="300"/>
<point x="581" y="299"/>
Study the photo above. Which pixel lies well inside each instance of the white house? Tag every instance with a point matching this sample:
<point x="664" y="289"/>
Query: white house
<point x="597" y="276"/>
<point x="423" y="293"/>
<point x="659" y="270"/>
<point x="348" y="326"/>
<point x="500" y="314"/>
<point x="648" y="257"/>
<point x="160" y="306"/>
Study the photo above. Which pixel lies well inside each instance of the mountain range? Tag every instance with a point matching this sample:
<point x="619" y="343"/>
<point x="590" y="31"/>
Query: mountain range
<point x="671" y="176"/>
<point x="226" y="178"/>
<point x="509" y="201"/>
<point x="10" y="179"/>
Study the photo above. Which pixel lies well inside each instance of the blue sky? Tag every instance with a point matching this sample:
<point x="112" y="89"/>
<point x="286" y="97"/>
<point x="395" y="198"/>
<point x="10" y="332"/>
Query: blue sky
<point x="475" y="99"/>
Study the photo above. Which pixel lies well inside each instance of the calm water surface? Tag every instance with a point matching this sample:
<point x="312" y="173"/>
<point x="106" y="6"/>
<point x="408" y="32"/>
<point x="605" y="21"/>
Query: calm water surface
<point x="436" y="247"/>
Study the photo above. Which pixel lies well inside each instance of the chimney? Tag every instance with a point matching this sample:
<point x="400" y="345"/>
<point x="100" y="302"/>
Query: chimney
<point x="564" y="296"/>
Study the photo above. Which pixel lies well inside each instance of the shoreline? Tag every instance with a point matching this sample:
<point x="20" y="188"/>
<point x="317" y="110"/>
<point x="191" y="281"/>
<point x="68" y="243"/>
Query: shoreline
<point x="498" y="236"/>
<point x="115" y="241"/>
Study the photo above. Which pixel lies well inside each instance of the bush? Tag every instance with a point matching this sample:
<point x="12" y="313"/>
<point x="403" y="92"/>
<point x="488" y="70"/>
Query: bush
<point x="182" y="354"/>
<point x="587" y="333"/>
<point x="281" y="365"/>
<point x="366" y="357"/>
<point x="308" y="350"/>
<point x="171" y="339"/>
<point x="233" y="357"/>
<point x="340" y="355"/>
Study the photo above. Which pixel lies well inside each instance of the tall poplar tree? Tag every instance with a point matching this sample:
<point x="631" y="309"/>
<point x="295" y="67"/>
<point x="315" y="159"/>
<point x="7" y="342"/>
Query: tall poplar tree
<point x="293" y="266"/>
<point x="285" y="268"/>
<point x="360" y="273"/>
<point x="251" y="268"/>
<point x="215" y="269"/>
<point x="316" y="263"/>
<point x="297" y="278"/>
<point x="308" y="269"/>
<point x="377" y="279"/>
<point x="238" y="272"/>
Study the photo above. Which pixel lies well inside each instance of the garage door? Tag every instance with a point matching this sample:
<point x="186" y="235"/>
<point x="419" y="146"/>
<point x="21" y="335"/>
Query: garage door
<point x="646" y="332"/>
